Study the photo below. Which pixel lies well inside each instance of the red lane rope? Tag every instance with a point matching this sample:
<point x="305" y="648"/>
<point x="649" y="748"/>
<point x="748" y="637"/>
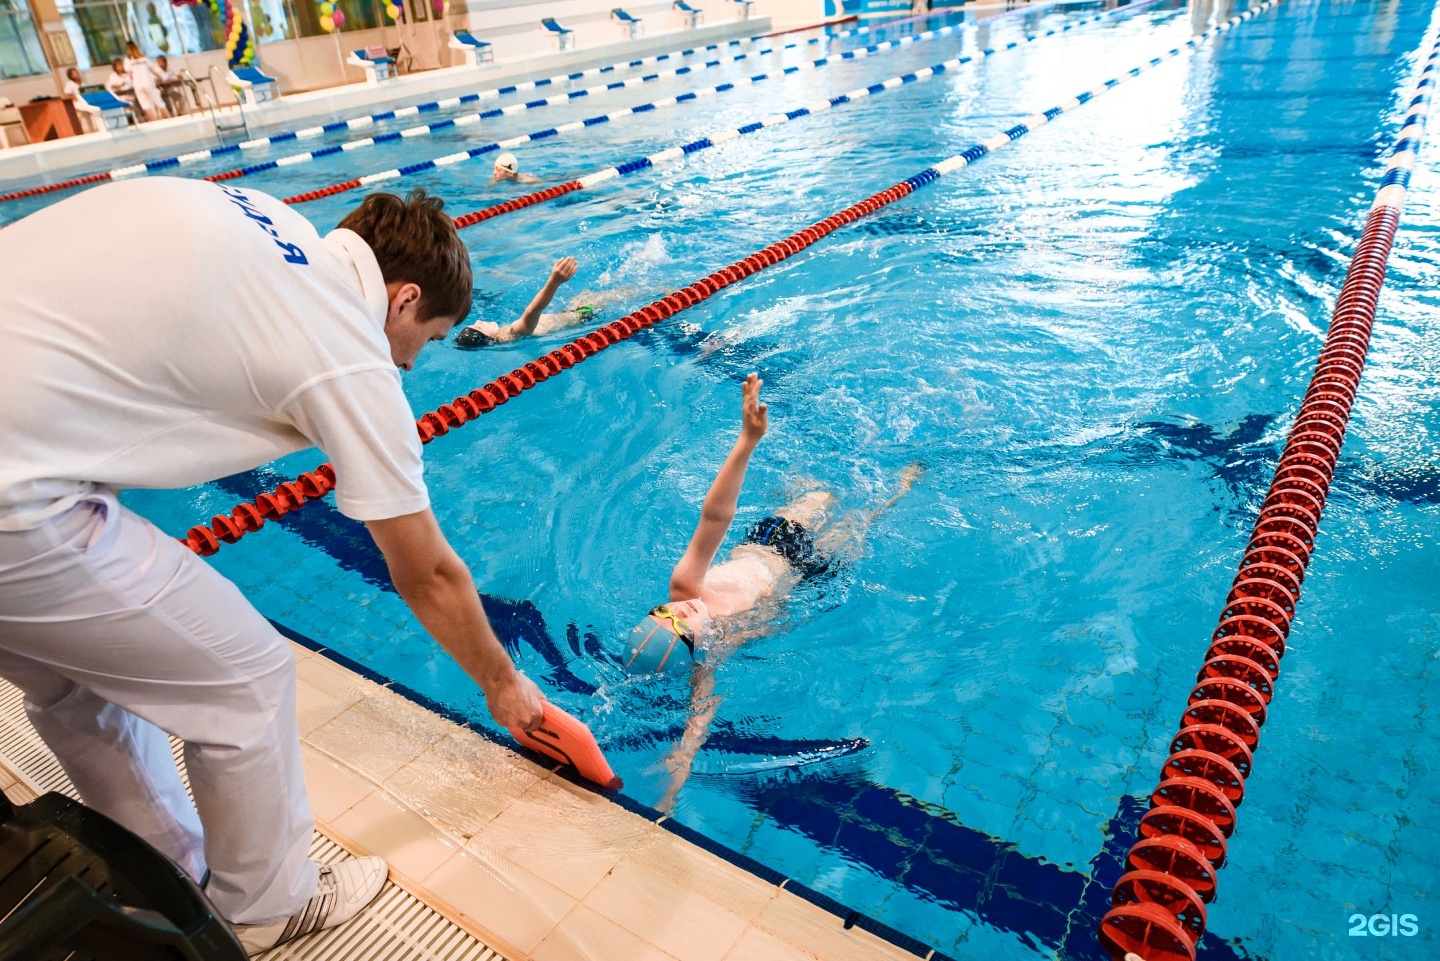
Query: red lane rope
<point x="1158" y="908"/>
<point x="250" y="516"/>
<point x="518" y="203"/>
<point x="835" y="23"/>
<point x="309" y="195"/>
<point x="50" y="188"/>
<point x="1159" y="904"/>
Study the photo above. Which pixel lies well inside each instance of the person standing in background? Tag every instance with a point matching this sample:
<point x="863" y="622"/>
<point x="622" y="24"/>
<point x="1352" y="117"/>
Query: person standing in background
<point x="143" y="75"/>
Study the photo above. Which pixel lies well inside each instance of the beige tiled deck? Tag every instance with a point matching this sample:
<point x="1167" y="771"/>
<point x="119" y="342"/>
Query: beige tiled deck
<point x="522" y="860"/>
<point x="533" y="864"/>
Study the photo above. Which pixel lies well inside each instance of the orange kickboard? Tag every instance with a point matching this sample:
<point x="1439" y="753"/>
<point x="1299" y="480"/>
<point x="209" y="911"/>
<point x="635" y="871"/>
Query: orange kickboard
<point x="570" y="742"/>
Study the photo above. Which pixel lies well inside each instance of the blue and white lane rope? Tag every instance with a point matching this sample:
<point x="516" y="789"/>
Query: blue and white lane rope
<point x="511" y="142"/>
<point x="473" y="118"/>
<point x="356" y="123"/>
<point x="223" y="529"/>
<point x="805" y="110"/>
<point x="1030" y="123"/>
<point x="1396" y="182"/>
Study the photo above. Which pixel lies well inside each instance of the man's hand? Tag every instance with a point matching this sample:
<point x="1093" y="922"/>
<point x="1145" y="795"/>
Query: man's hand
<point x="516" y="703"/>
<point x="756" y="416"/>
<point x="436" y="585"/>
<point x="563" y="270"/>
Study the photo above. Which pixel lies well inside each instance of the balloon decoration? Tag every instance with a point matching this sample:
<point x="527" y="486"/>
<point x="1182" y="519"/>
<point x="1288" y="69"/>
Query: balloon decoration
<point x="332" y="18"/>
<point x="238" y="43"/>
<point x="393" y="11"/>
<point x="441" y="7"/>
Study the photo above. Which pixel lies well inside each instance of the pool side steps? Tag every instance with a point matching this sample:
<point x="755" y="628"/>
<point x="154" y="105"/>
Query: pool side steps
<point x="690" y="96"/>
<point x="251" y="515"/>
<point x="1158" y="908"/>
<point x="354" y="123"/>
<point x="806" y="110"/>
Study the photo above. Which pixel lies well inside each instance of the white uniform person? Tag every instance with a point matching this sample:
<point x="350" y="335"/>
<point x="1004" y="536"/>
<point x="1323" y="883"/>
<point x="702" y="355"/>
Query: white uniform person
<point x="143" y="76"/>
<point x="147" y="378"/>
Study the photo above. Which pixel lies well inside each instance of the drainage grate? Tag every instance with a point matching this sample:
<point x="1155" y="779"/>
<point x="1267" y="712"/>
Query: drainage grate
<point x="396" y="927"/>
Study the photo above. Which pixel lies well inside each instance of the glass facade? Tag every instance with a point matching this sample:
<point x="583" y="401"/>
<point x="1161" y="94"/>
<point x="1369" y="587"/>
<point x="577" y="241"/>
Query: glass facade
<point x="20" y="52"/>
<point x="98" y="29"/>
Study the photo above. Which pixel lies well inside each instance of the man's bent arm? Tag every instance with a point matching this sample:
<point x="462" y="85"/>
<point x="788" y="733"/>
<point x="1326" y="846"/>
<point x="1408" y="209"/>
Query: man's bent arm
<point x="437" y="586"/>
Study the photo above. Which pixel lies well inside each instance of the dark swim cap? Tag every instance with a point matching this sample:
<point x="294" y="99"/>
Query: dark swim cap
<point x="470" y="338"/>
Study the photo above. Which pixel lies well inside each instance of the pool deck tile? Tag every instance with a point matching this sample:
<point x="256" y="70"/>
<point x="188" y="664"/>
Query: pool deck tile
<point x="538" y="866"/>
<point x="333" y="788"/>
<point x="757" y="944"/>
<point x="793" y="919"/>
<point x="404" y="838"/>
<point x="737" y="890"/>
<point x="463" y="782"/>
<point x="587" y="934"/>
<point x="680" y="922"/>
<point x="507" y="901"/>
<point x="566" y="801"/>
<point x="564" y="855"/>
<point x="317" y="707"/>
<point x="369" y="741"/>
<point x="15" y="785"/>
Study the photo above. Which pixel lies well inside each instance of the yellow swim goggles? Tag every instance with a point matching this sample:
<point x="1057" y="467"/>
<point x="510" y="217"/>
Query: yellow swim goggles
<point x="649" y="650"/>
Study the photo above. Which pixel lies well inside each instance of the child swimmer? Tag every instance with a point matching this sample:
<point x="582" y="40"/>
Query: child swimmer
<point x="534" y="321"/>
<point x="776" y="554"/>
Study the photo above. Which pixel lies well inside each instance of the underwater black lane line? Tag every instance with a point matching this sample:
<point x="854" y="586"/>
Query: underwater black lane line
<point x="348" y="543"/>
<point x="931" y="852"/>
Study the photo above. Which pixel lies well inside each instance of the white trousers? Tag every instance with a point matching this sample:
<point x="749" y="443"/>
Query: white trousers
<point x="147" y="96"/>
<point x="119" y="635"/>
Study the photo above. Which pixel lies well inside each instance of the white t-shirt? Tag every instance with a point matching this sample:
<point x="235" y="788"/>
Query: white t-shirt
<point x="142" y="73"/>
<point x="191" y="331"/>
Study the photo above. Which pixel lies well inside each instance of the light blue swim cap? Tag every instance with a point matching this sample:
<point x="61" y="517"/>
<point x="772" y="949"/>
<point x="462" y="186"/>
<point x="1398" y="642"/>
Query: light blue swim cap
<point x="663" y="646"/>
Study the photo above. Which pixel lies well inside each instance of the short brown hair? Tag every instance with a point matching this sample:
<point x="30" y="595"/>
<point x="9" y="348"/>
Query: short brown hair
<point x="416" y="243"/>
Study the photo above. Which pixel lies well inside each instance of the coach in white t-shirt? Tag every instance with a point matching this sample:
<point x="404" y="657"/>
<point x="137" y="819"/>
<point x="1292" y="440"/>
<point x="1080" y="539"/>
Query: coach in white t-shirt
<point x="224" y="332"/>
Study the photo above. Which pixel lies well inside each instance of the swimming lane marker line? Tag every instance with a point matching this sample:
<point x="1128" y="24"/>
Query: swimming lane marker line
<point x="806" y="110"/>
<point x="424" y="165"/>
<point x="356" y="123"/>
<point x="251" y="515"/>
<point x="511" y="142"/>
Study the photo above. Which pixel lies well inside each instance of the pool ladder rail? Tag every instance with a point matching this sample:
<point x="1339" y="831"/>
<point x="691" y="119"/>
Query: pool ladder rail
<point x="210" y="102"/>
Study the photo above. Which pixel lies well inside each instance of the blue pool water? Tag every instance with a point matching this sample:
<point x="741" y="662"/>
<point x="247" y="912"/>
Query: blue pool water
<point x="1093" y="341"/>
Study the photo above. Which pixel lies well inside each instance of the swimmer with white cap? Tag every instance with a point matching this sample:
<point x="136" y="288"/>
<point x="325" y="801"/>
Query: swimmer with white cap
<point x="508" y="168"/>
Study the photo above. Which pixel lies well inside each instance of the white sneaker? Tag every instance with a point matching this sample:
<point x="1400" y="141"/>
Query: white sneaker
<point x="345" y="888"/>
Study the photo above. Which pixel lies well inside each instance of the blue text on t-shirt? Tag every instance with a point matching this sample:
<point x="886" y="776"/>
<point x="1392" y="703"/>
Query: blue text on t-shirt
<point x="293" y="254"/>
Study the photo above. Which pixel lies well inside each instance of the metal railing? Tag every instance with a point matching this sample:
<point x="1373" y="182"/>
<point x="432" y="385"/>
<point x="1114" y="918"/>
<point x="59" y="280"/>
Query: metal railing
<point x="211" y="102"/>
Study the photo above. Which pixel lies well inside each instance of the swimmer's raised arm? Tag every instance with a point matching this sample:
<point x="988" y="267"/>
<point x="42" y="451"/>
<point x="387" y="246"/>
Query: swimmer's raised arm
<point x="563" y="270"/>
<point x="719" y="508"/>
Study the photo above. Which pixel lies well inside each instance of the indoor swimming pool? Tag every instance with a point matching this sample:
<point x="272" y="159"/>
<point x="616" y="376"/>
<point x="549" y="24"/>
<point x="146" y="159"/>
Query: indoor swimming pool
<point x="1091" y="344"/>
